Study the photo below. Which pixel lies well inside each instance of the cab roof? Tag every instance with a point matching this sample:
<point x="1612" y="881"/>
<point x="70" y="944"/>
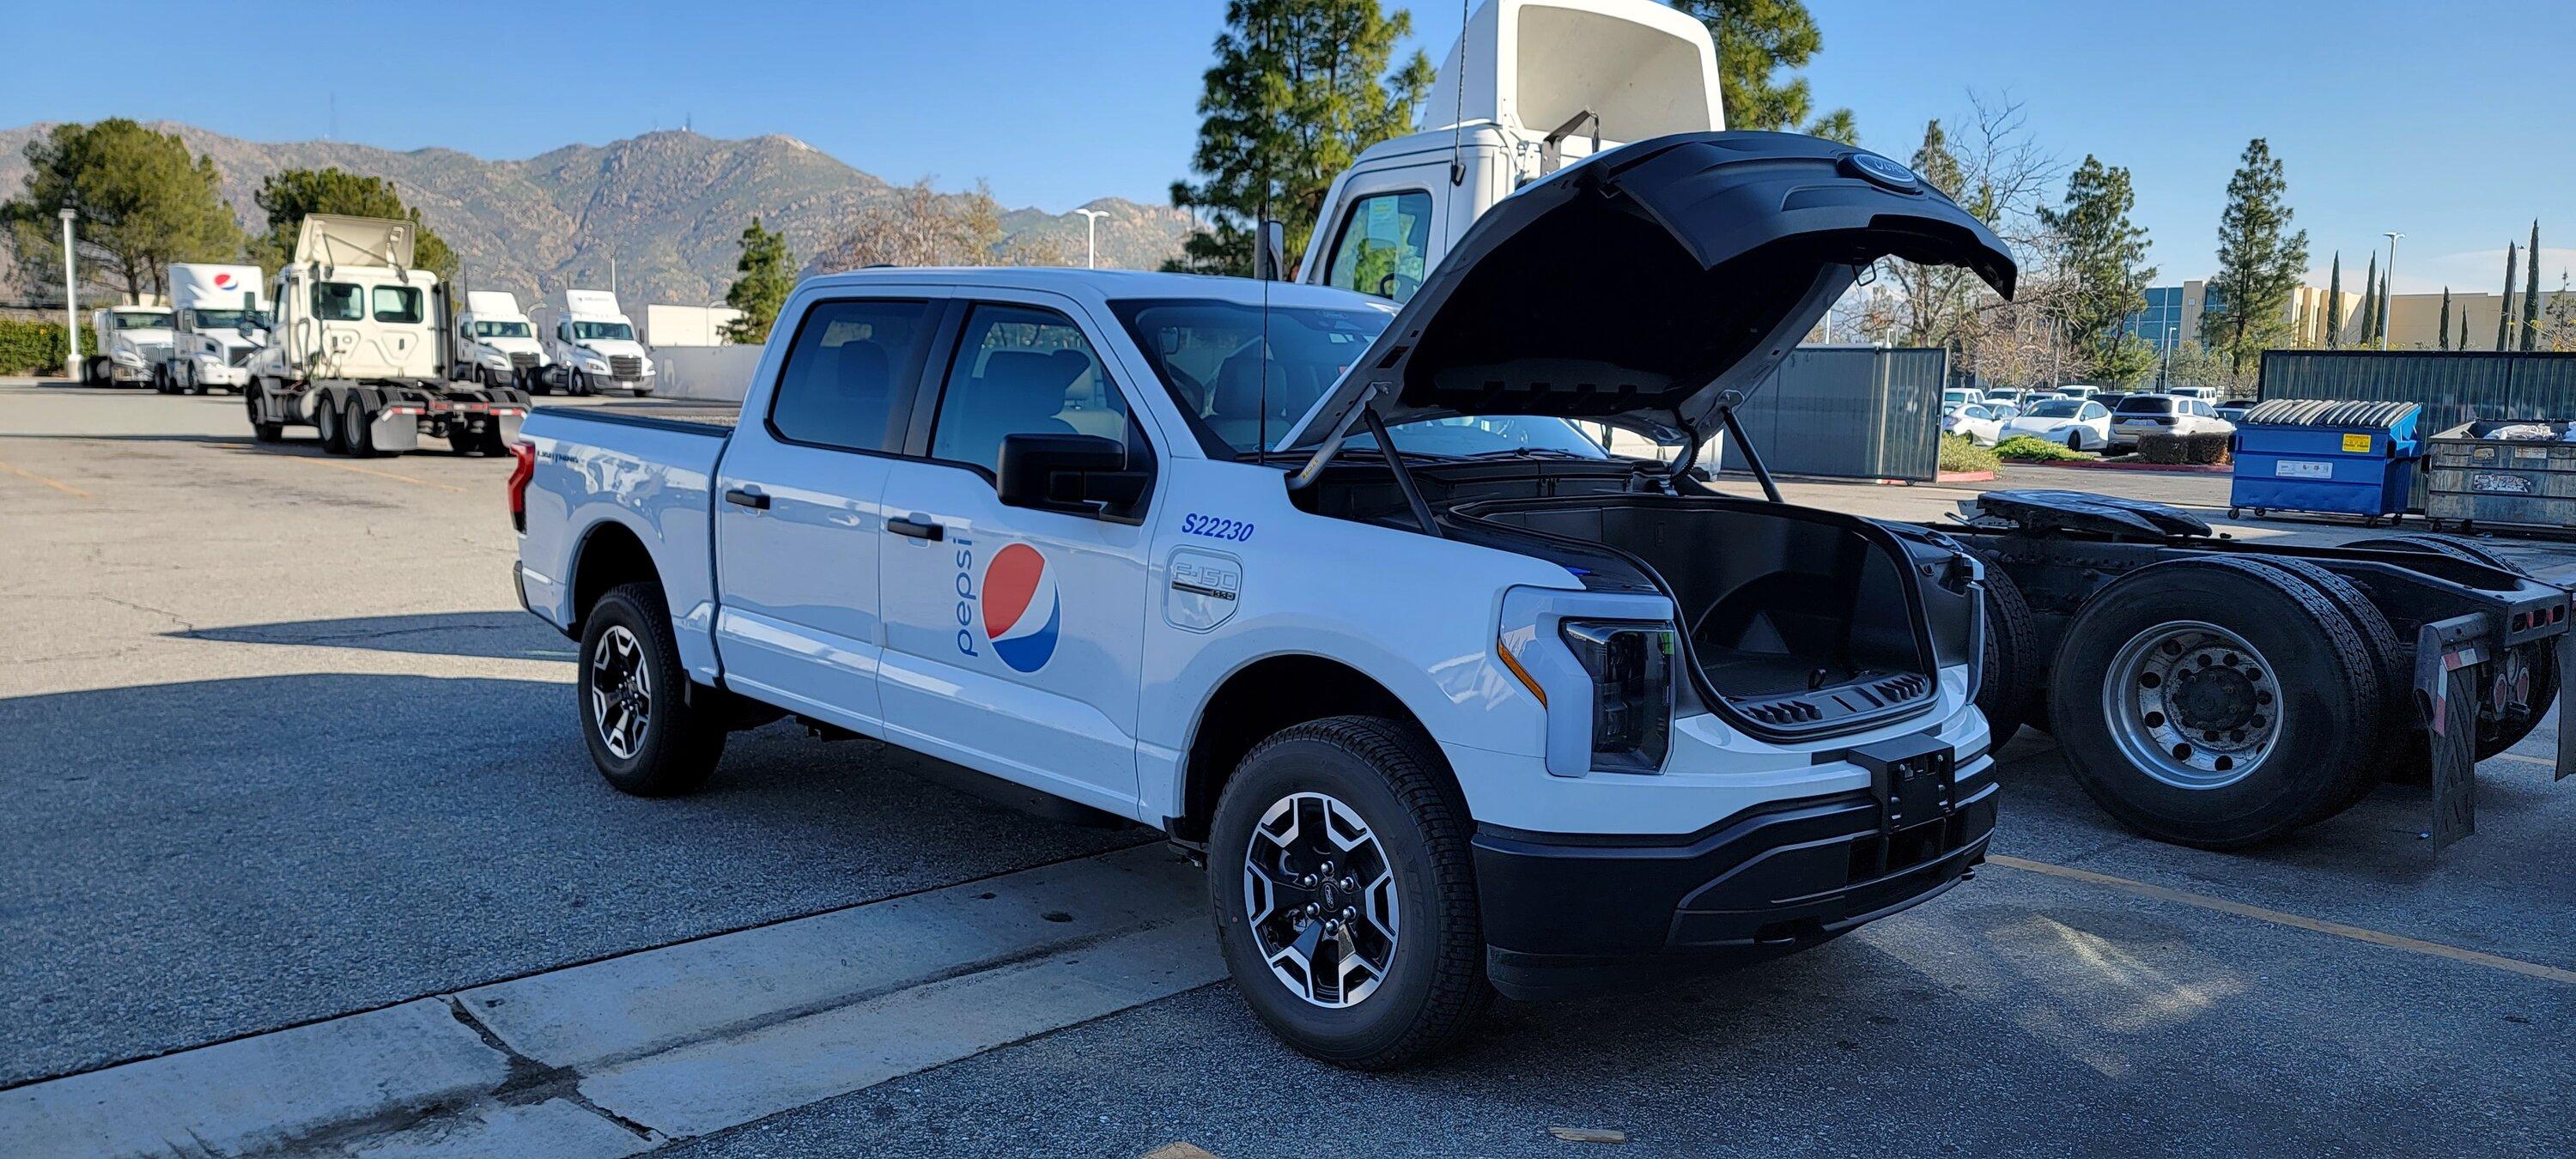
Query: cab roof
<point x="1103" y="285"/>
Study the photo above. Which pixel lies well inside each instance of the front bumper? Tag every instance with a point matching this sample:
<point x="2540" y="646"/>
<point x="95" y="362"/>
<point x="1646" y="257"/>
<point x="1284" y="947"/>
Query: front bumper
<point x="1565" y="915"/>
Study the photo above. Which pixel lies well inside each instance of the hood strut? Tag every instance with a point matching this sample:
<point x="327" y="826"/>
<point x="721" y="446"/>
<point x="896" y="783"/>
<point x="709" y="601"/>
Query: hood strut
<point x="1735" y="433"/>
<point x="1403" y="474"/>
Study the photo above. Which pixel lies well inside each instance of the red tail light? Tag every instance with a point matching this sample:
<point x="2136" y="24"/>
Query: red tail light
<point x="523" y="468"/>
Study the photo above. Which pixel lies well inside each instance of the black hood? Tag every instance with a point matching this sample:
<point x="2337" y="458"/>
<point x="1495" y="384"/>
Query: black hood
<point x="1638" y="286"/>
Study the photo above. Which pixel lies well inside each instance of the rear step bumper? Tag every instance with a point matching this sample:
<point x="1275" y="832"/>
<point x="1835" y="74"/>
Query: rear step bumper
<point x="1564" y="918"/>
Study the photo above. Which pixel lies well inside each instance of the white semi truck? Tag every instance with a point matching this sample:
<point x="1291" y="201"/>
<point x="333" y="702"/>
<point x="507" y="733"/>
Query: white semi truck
<point x="358" y="351"/>
<point x="496" y="345"/>
<point x="594" y="346"/>
<point x="132" y="341"/>
<point x="218" y="327"/>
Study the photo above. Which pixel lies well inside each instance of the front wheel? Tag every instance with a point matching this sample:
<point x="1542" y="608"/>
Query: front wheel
<point x="2074" y="441"/>
<point x="1345" y="894"/>
<point x="644" y="735"/>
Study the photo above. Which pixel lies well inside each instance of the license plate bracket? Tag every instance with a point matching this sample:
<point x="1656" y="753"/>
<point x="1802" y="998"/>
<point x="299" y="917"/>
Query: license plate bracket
<point x="1914" y="779"/>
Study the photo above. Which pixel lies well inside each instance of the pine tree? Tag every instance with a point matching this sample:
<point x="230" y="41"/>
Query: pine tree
<point x="1298" y="89"/>
<point x="2531" y="290"/>
<point x="2105" y="256"/>
<point x="1755" y="40"/>
<point x="2445" y="330"/>
<point x="2464" y="329"/>
<point x="142" y="202"/>
<point x="2334" y="304"/>
<point x="2259" y="261"/>
<point x="288" y="195"/>
<point x="768" y="275"/>
<point x="2504" y="315"/>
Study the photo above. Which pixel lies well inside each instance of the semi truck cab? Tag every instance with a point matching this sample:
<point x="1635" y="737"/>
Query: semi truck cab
<point x="496" y="345"/>
<point x="220" y="327"/>
<point x="594" y="346"/>
<point x="133" y="342"/>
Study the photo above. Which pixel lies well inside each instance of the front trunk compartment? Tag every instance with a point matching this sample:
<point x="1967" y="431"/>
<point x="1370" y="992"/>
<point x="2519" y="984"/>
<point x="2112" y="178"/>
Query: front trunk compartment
<point x="1795" y="623"/>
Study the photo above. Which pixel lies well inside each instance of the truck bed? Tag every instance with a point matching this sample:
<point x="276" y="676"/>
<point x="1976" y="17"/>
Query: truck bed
<point x="716" y="417"/>
<point x="640" y="470"/>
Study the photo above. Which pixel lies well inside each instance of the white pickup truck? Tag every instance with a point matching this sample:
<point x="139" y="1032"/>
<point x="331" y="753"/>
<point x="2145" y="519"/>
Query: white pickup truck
<point x="1493" y="710"/>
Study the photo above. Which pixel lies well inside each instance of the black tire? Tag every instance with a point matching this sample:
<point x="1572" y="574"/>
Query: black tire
<point x="265" y="432"/>
<point x="2012" y="655"/>
<point x="161" y="383"/>
<point x="357" y="428"/>
<point x="2074" y="442"/>
<point x="675" y="745"/>
<point x="2325" y="715"/>
<point x="2401" y="742"/>
<point x="1434" y="984"/>
<point x="97" y="372"/>
<point x="328" y="427"/>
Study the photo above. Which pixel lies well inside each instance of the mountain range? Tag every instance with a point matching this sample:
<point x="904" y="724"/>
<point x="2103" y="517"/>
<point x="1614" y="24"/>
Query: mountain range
<point x="668" y="207"/>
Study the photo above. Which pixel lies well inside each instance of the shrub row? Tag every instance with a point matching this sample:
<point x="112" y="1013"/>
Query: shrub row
<point x="1960" y="453"/>
<point x="2031" y="448"/>
<point x="28" y="347"/>
<point x="2208" y="450"/>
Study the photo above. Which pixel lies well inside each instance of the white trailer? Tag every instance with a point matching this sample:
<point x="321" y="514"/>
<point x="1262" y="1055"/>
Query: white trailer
<point x="594" y="346"/>
<point x="496" y="345"/>
<point x="218" y="328"/>
<point x="358" y="351"/>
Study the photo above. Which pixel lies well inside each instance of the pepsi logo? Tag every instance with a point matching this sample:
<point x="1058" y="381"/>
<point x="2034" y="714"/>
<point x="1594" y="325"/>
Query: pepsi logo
<point x="1021" y="609"/>
<point x="223" y="281"/>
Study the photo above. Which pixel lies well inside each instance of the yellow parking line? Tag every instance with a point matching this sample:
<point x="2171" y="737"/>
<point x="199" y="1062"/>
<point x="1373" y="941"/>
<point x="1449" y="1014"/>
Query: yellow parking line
<point x="377" y="474"/>
<point x="56" y="484"/>
<point x="2543" y="762"/>
<point x="2295" y="921"/>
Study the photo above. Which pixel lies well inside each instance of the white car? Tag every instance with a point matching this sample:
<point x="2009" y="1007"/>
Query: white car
<point x="1983" y="424"/>
<point x="1961" y="396"/>
<point x="2080" y="424"/>
<point x="2164" y="414"/>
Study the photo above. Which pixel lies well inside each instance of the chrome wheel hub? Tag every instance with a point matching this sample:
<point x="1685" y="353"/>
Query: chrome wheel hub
<point x="621" y="692"/>
<point x="1319" y="894"/>
<point x="2192" y="704"/>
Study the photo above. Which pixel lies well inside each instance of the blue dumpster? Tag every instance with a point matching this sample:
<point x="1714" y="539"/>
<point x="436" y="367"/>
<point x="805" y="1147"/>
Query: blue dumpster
<point x="2344" y="458"/>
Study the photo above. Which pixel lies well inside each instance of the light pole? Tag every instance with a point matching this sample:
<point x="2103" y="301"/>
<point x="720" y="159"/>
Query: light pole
<point x="71" y="300"/>
<point x="1091" y="237"/>
<point x="2387" y="295"/>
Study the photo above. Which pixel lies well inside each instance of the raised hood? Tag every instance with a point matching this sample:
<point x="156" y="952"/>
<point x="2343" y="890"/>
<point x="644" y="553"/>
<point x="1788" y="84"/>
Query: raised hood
<point x="358" y="242"/>
<point x="1637" y="287"/>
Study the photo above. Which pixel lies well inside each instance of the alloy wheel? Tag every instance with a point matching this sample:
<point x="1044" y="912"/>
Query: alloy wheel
<point x="2192" y="705"/>
<point x="621" y="692"/>
<point x="1319" y="893"/>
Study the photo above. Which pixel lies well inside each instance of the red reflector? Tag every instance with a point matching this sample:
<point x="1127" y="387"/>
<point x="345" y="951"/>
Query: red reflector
<point x="523" y="468"/>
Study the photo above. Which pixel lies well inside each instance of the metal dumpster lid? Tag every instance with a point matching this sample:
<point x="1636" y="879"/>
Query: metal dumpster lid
<point x="2326" y="412"/>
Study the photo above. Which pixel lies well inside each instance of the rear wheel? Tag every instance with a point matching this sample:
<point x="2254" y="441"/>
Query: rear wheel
<point x="357" y="429"/>
<point x="2233" y="702"/>
<point x="1345" y="895"/>
<point x="644" y="734"/>
<point x="326" y="423"/>
<point x="2012" y="658"/>
<point x="2401" y="743"/>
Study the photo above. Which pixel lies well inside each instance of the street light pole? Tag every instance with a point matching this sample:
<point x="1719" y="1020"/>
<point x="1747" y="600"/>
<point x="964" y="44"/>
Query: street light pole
<point x="1091" y="236"/>
<point x="2387" y="295"/>
<point x="71" y="301"/>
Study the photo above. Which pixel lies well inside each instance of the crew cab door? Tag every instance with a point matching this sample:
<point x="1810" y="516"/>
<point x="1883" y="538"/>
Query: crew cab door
<point x="797" y="523"/>
<point x="1013" y="634"/>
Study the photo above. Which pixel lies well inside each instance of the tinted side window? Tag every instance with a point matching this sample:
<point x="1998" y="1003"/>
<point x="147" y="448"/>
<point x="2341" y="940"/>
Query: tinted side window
<point x="1020" y="370"/>
<point x="1382" y="246"/>
<point x="338" y="302"/>
<point x="844" y="372"/>
<point x="397" y="304"/>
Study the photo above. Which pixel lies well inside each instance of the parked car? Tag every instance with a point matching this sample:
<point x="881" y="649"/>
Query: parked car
<point x="2076" y="390"/>
<point x="2233" y="410"/>
<point x="1977" y="421"/>
<point x="2163" y="414"/>
<point x="1332" y="593"/>
<point x="2081" y="424"/>
<point x="1960" y="396"/>
<point x="2007" y="395"/>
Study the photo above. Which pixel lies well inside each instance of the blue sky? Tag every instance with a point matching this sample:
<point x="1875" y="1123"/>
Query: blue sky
<point x="2452" y="124"/>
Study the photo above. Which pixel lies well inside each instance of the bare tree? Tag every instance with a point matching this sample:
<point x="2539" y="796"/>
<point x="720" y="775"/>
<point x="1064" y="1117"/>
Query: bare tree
<point x="916" y="225"/>
<point x="1994" y="167"/>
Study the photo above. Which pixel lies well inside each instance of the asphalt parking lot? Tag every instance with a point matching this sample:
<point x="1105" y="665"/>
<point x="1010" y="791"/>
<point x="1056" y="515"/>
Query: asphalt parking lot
<point x="283" y="752"/>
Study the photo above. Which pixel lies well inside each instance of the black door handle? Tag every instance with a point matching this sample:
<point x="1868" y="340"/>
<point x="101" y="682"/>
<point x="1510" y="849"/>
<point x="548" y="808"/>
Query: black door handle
<point x="921" y="530"/>
<point x="751" y="499"/>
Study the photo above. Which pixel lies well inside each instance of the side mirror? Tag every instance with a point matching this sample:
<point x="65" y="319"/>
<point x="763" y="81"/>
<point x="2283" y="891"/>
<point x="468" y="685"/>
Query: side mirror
<point x="1270" y="252"/>
<point x="1084" y="474"/>
<point x="247" y="327"/>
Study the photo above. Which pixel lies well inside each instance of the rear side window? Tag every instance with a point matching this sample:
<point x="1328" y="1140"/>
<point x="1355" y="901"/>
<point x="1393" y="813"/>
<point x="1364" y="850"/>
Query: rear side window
<point x="2146" y="405"/>
<point x="844" y="371"/>
<point x="397" y="304"/>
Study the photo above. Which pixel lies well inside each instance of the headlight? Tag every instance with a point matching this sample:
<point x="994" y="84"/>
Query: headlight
<point x="497" y="361"/>
<point x="1631" y="664"/>
<point x="594" y="366"/>
<point x="127" y="358"/>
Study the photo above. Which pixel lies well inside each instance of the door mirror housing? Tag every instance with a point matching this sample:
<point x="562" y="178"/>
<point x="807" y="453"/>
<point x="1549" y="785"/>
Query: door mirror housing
<point x="1270" y="252"/>
<point x="1078" y="474"/>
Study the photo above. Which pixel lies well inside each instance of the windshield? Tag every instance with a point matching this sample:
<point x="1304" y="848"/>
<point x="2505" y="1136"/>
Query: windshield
<point x="591" y="331"/>
<point x="2145" y="404"/>
<point x="1209" y="356"/>
<point x="501" y="330"/>
<point x="230" y="319"/>
<point x="2055" y="408"/>
<point x="141" y="319"/>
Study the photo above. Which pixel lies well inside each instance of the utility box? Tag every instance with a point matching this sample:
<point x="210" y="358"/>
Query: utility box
<point x="2528" y="478"/>
<point x="2342" y="458"/>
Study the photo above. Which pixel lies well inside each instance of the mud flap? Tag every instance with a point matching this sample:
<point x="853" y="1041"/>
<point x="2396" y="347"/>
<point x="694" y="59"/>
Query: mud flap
<point x="2566" y="650"/>
<point x="2445" y="651"/>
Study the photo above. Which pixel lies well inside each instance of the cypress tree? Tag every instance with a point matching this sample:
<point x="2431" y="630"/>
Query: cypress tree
<point x="2334" y="304"/>
<point x="2370" y="301"/>
<point x="2531" y="290"/>
<point x="2504" y="314"/>
<point x="2445" y="331"/>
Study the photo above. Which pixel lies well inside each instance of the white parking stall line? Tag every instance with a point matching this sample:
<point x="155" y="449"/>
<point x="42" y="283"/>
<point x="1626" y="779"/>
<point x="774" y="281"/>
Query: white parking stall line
<point x="622" y="1055"/>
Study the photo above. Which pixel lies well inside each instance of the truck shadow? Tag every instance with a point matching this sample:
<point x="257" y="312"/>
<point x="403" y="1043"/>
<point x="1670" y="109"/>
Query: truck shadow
<point x="508" y="635"/>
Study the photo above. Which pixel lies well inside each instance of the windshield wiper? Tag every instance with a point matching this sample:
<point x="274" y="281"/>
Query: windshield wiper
<point x="1535" y="453"/>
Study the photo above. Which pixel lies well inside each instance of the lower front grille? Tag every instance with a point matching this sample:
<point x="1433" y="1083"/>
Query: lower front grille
<point x="241" y="355"/>
<point x="626" y="366"/>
